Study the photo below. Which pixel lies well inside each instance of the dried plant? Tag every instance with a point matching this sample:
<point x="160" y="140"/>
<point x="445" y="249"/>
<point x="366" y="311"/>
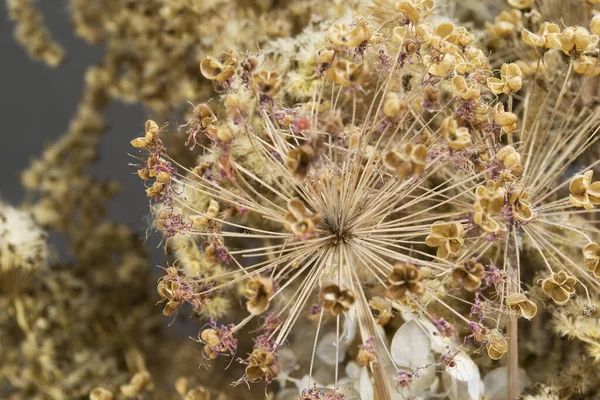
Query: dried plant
<point x="388" y="204"/>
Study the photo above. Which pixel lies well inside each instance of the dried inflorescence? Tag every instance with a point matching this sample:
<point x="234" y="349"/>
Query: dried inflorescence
<point x="377" y="164"/>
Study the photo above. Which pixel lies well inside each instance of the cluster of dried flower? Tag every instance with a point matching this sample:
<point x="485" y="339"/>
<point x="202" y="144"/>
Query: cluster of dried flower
<point x="397" y="193"/>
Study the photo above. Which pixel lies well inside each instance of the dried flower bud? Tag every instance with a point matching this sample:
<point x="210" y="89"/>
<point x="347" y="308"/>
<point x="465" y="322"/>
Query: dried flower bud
<point x="198" y="393"/>
<point x="507" y="120"/>
<point x="415" y="9"/>
<point x="510" y="80"/>
<point x="266" y="82"/>
<point x="469" y="274"/>
<point x="560" y="286"/>
<point x="139" y="382"/>
<point x="340" y="34"/>
<point x="404" y="278"/>
<point x="101" y="394"/>
<point x="258" y="292"/>
<point x="457" y="138"/>
<point x="509" y="156"/>
<point x="214" y="70"/>
<point x="584" y="193"/>
<point x="521" y="4"/>
<point x="365" y="357"/>
<point x="299" y="160"/>
<point x="262" y="364"/>
<point x="595" y="25"/>
<point x="519" y="304"/>
<point x="393" y="105"/>
<point x="591" y="255"/>
<point x="336" y="300"/>
<point x="410" y="162"/>
<point x="383" y="308"/>
<point x="347" y="73"/>
<point x="447" y="237"/>
<point x="463" y="89"/>
<point x="497" y="345"/>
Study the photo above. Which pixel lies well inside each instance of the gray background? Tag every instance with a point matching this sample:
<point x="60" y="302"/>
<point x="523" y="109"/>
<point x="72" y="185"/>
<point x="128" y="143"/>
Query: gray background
<point x="37" y="102"/>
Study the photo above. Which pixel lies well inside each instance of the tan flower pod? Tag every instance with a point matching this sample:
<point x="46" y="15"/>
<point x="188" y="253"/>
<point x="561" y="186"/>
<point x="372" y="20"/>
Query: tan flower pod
<point x="266" y="82"/>
<point x="519" y="200"/>
<point x="509" y="156"/>
<point x="383" y="308"/>
<point x="101" y="394"/>
<point x="591" y="254"/>
<point x="519" y="304"/>
<point x="336" y="300"/>
<point x="463" y="89"/>
<point x="443" y="67"/>
<point x="262" y="364"/>
<point x="584" y="193"/>
<point x="393" y="105"/>
<point x="497" y="345"/>
<point x="469" y="274"/>
<point x="587" y="65"/>
<point x="560" y="287"/>
<point x="595" y="25"/>
<point x="347" y="73"/>
<point x="365" y="357"/>
<point x="548" y="36"/>
<point x="521" y="4"/>
<point x="510" y="81"/>
<point x="405" y="278"/>
<point x="258" y="292"/>
<point x="410" y="162"/>
<point x="457" y="138"/>
<point x="214" y="70"/>
<point x="507" y="120"/>
<point x="447" y="237"/>
<point x="340" y="34"/>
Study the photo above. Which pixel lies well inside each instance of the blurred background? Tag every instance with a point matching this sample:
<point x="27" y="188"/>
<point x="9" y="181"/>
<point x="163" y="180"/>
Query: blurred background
<point x="36" y="103"/>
